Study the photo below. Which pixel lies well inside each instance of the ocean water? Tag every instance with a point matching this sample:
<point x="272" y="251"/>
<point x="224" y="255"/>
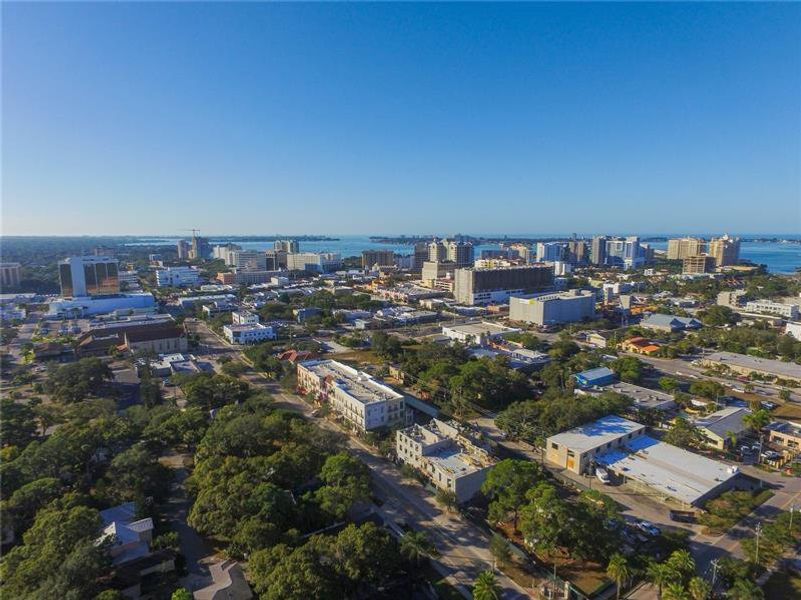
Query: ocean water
<point x="777" y="257"/>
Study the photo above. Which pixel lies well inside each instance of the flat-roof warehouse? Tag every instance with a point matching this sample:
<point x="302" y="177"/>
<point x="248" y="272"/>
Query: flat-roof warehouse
<point x="745" y="365"/>
<point x="673" y="472"/>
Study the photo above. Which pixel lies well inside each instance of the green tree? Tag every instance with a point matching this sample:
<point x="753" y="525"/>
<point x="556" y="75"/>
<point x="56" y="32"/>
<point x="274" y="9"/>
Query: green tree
<point x="745" y="589"/>
<point x="415" y="545"/>
<point x="18" y="425"/>
<point x="757" y="420"/>
<point x="699" y="588"/>
<point x="499" y="547"/>
<point x="346" y="480"/>
<point x="707" y="389"/>
<point x="181" y="594"/>
<point x="684" y="434"/>
<point x="662" y="574"/>
<point x="628" y="368"/>
<point x="675" y="591"/>
<point x="506" y="486"/>
<point x="682" y="562"/>
<point x="487" y="587"/>
<point x="447" y="499"/>
<point x="669" y="384"/>
<point x="618" y="569"/>
<point x="76" y="381"/>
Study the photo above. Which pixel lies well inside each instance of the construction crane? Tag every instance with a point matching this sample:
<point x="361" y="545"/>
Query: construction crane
<point x="193" y="230"/>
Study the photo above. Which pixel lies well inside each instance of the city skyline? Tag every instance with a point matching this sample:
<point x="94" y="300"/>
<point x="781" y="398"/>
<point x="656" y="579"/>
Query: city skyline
<point x="347" y="119"/>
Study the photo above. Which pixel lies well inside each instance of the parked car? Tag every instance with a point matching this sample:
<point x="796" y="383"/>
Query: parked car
<point x="602" y="475"/>
<point x="768" y="405"/>
<point x="649" y="528"/>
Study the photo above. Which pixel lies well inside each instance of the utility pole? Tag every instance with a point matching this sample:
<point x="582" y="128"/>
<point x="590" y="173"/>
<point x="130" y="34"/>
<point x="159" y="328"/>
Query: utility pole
<point x="792" y="510"/>
<point x="758" y="534"/>
<point x="714" y="573"/>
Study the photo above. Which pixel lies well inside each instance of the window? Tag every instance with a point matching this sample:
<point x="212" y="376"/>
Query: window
<point x="571" y="454"/>
<point x="554" y="446"/>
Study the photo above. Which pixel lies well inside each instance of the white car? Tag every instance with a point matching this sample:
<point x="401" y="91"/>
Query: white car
<point x="602" y="475"/>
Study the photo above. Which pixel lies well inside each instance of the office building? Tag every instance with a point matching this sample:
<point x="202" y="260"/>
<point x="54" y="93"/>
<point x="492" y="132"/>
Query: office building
<point x="248" y="260"/>
<point x="288" y="246"/>
<point x="725" y="250"/>
<point x="553" y="309"/>
<point x="437" y="251"/>
<point x="681" y="248"/>
<point x="576" y="449"/>
<point x="88" y="276"/>
<point x="275" y="260"/>
<point x="324" y="262"/>
<point x="767" y="307"/>
<point x="598" y="252"/>
<point x="9" y="275"/>
<point x="487" y="286"/>
<point x="784" y="434"/>
<point x="382" y="258"/>
<point x="244" y="317"/>
<point x="248" y="333"/>
<point x="550" y="251"/>
<point x="479" y="334"/>
<point x="697" y="264"/>
<point x="356" y="396"/>
<point x="449" y="457"/>
<point x="177" y="277"/>
<point x="184" y="248"/>
<point x="128" y="280"/>
<point x="626" y="253"/>
<point x="456" y="251"/>
<point x="129" y="303"/>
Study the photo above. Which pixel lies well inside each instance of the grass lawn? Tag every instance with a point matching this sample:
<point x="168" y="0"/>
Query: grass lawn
<point x="362" y="357"/>
<point x="727" y="510"/>
<point x="782" y="585"/>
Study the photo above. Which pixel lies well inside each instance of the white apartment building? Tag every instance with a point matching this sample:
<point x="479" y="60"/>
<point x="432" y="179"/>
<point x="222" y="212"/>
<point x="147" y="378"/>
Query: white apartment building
<point x="248" y="334"/>
<point x="248" y="260"/>
<point x="177" y="277"/>
<point x="553" y="309"/>
<point x="324" y="262"/>
<point x="244" y="317"/>
<point x="448" y="457"/>
<point x="767" y="307"/>
<point x="356" y="396"/>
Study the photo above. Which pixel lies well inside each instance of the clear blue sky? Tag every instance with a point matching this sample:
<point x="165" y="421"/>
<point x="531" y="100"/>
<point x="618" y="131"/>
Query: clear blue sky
<point x="379" y="118"/>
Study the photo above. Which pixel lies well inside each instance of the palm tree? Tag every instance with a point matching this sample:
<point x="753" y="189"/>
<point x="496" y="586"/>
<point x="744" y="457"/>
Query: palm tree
<point x="415" y="545"/>
<point x="745" y="589"/>
<point x="618" y="569"/>
<point x="675" y="591"/>
<point x="661" y="574"/>
<point x="682" y="562"/>
<point x="699" y="588"/>
<point x="486" y="587"/>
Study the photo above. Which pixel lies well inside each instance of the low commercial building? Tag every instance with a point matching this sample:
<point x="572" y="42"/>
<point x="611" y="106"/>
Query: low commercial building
<point x="719" y="427"/>
<point x="766" y="307"/>
<point x="576" y="449"/>
<point x="595" y="377"/>
<point x="669" y="472"/>
<point x="252" y="333"/>
<point x="86" y="306"/>
<point x="244" y="317"/>
<point x="160" y="340"/>
<point x="786" y="435"/>
<point x="669" y="323"/>
<point x="643" y="398"/>
<point x="744" y="364"/>
<point x="553" y="309"/>
<point x="324" y="262"/>
<point x="448" y="456"/>
<point x="793" y="330"/>
<point x="177" y="277"/>
<point x="477" y="333"/>
<point x="355" y="395"/>
<point x="159" y="336"/>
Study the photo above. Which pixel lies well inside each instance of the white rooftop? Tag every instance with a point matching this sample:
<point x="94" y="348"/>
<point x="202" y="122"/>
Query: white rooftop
<point x="643" y="397"/>
<point x="776" y="367"/>
<point x="596" y="434"/>
<point x="674" y="472"/>
<point x="480" y="329"/>
<point x="357" y="384"/>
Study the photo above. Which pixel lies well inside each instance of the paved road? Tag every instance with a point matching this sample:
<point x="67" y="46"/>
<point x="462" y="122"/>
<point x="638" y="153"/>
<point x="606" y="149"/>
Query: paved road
<point x="463" y="547"/>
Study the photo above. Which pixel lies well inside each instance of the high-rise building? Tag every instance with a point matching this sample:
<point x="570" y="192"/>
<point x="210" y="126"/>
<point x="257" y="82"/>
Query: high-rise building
<point x="700" y="263"/>
<point x="485" y="286"/>
<point x="437" y="251"/>
<point x="382" y="258"/>
<point x="200" y="248"/>
<point x="275" y="260"/>
<point x="577" y="252"/>
<point x="681" y="248"/>
<point x="248" y="260"/>
<point x="88" y="276"/>
<point x="598" y="253"/>
<point x="550" y="251"/>
<point x="324" y="262"/>
<point x="625" y="252"/>
<point x="224" y="252"/>
<point x="9" y="275"/>
<point x="460" y="253"/>
<point x="287" y="245"/>
<point x="184" y="248"/>
<point x="420" y="256"/>
<point x="522" y="251"/>
<point x="725" y="250"/>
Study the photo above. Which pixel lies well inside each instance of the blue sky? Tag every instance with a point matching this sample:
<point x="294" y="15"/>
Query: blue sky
<point x="401" y="118"/>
